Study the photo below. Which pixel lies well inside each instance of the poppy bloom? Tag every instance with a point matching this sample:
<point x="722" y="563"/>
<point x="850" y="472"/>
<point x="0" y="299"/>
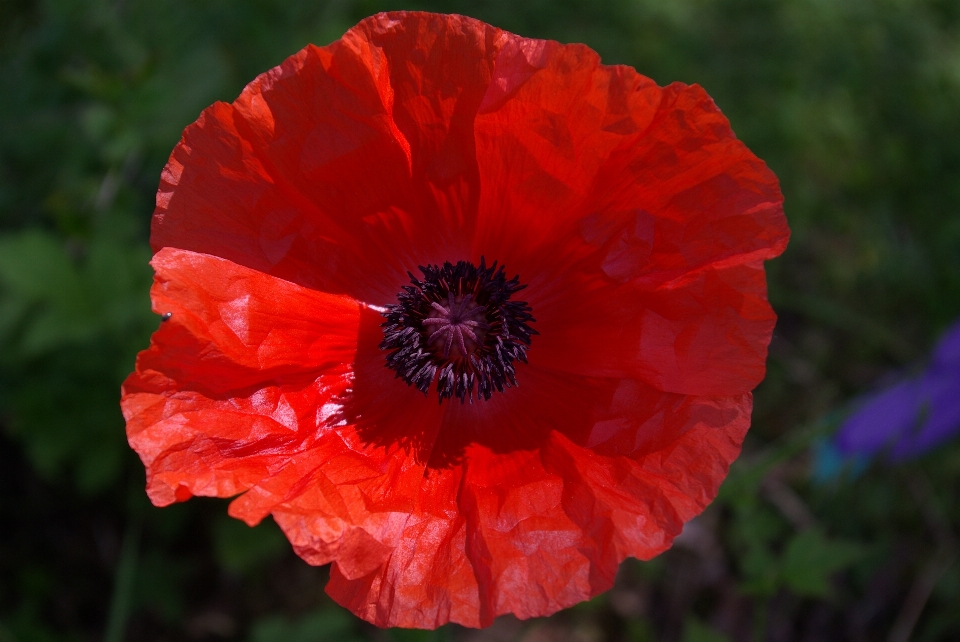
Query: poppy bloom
<point x="565" y="255"/>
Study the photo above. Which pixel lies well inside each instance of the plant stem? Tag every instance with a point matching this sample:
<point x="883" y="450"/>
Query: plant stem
<point x="123" y="583"/>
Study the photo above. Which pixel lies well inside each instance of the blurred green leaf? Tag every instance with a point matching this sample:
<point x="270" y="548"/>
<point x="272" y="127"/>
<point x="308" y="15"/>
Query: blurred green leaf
<point x="159" y="585"/>
<point x="72" y="300"/>
<point x="12" y="313"/>
<point x="696" y="631"/>
<point x="754" y="532"/>
<point x="240" y="548"/>
<point x="640" y="630"/>
<point x="326" y="625"/>
<point x="811" y="558"/>
<point x="34" y="265"/>
<point x="66" y="320"/>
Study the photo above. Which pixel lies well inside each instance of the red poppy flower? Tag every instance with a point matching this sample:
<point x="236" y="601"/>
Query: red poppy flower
<point x="300" y="331"/>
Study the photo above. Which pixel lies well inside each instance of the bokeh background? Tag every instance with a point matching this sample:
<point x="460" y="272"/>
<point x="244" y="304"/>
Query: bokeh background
<point x="855" y="104"/>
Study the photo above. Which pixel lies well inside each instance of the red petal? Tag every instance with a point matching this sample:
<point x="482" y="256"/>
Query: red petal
<point x="552" y="117"/>
<point x="629" y="210"/>
<point x="362" y="474"/>
<point x="704" y="335"/>
<point x="345" y="166"/>
<point x="602" y="469"/>
<point x="588" y="160"/>
<point x="237" y="379"/>
<point x="685" y="195"/>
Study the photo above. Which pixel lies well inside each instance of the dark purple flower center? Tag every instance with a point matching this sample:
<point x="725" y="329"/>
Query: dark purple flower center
<point x="459" y="326"/>
<point x="456" y="330"/>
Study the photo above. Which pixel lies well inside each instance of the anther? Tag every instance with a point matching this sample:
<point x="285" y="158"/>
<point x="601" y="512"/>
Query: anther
<point x="459" y="327"/>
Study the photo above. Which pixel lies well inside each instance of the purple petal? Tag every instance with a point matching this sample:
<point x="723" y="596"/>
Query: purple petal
<point x="940" y="402"/>
<point x="881" y="419"/>
<point x="947" y="351"/>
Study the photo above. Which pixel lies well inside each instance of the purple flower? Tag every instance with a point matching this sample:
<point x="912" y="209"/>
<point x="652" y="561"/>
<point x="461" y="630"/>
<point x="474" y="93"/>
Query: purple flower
<point x="915" y="414"/>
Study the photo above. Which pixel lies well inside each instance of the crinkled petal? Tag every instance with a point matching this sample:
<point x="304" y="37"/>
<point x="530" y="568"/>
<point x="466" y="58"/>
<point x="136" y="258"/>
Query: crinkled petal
<point x="642" y="202"/>
<point x="346" y="165"/>
<point x="363" y="474"/>
<point x="551" y="118"/>
<point x="705" y="335"/>
<point x="497" y="527"/>
<point x="239" y="377"/>
<point x="667" y="191"/>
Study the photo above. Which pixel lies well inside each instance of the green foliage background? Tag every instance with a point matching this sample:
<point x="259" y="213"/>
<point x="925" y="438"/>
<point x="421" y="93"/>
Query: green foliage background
<point x="854" y="104"/>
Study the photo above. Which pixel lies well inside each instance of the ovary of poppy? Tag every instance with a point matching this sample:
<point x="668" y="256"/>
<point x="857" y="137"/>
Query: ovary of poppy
<point x="286" y="225"/>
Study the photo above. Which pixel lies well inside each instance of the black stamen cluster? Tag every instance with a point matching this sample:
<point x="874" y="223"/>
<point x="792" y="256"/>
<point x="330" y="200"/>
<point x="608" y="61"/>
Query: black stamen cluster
<point x="499" y="325"/>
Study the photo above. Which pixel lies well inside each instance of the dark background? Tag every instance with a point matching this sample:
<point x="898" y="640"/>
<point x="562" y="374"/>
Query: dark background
<point x="854" y="104"/>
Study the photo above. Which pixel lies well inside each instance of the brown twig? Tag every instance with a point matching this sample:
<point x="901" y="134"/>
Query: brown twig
<point x="789" y="503"/>
<point x="933" y="570"/>
<point x="919" y="594"/>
